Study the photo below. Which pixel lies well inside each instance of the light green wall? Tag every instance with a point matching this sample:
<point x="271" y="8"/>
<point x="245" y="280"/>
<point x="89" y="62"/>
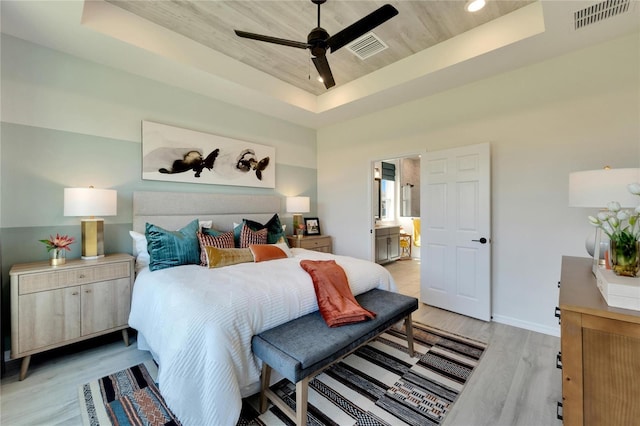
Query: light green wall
<point x="32" y="190"/>
<point x="67" y="122"/>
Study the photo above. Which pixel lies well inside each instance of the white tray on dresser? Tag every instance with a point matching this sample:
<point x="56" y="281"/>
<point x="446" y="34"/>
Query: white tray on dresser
<point x="620" y="292"/>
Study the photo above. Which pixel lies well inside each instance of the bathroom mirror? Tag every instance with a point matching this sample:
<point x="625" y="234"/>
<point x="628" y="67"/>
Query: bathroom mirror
<point x="396" y="189"/>
<point x="409" y="187"/>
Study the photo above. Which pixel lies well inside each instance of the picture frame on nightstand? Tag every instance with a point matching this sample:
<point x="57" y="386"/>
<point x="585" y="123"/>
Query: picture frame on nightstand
<point x="312" y="226"/>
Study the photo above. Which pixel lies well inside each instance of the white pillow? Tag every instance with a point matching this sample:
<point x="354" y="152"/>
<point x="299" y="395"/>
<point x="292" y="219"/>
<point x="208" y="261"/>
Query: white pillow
<point x="140" y="250"/>
<point x="285" y="248"/>
<point x="205" y="224"/>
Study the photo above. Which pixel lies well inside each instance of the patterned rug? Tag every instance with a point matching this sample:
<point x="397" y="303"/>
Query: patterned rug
<point x="377" y="385"/>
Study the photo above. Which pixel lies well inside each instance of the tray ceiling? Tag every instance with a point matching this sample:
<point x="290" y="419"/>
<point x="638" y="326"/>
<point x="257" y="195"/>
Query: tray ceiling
<point x="434" y="46"/>
<point x="419" y="25"/>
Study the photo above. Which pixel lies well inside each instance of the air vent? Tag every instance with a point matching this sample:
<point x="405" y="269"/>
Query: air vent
<point x="367" y="46"/>
<point x="598" y="12"/>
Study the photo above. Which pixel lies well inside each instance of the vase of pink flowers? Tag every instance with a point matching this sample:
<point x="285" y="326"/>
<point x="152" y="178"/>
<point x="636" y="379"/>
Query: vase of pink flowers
<point x="57" y="247"/>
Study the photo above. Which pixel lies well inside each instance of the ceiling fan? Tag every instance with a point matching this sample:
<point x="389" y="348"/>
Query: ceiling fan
<point x="318" y="40"/>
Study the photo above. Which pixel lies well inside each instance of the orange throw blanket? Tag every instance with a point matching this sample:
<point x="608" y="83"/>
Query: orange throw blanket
<point x="335" y="300"/>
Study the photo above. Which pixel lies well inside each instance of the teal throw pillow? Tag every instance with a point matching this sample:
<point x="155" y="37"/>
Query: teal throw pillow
<point x="275" y="234"/>
<point x="172" y="248"/>
<point x="211" y="231"/>
<point x="237" y="229"/>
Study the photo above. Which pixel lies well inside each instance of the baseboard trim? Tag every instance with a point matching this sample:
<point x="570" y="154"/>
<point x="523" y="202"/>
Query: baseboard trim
<point x="532" y="326"/>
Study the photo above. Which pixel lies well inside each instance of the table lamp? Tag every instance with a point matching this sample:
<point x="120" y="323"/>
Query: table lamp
<point x="297" y="205"/>
<point x="90" y="203"/>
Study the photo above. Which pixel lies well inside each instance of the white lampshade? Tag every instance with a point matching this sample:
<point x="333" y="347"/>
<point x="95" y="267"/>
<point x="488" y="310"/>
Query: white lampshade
<point x="90" y="202"/>
<point x="298" y="205"/>
<point x="597" y="188"/>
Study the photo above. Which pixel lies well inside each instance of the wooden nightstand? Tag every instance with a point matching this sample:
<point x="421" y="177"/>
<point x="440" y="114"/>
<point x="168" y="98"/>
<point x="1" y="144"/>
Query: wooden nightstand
<point x="55" y="306"/>
<point x="311" y="242"/>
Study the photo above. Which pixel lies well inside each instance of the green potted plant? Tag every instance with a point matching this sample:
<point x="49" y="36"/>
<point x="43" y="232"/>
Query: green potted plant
<point x="623" y="229"/>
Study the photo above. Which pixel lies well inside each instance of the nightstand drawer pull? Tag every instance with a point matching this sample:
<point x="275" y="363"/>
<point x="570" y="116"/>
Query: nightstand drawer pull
<point x="75" y="293"/>
<point x="77" y="276"/>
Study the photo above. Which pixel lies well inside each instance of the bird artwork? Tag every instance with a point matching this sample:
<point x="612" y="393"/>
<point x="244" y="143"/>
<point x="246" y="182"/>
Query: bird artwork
<point x="180" y="155"/>
<point x="247" y="161"/>
<point x="192" y="160"/>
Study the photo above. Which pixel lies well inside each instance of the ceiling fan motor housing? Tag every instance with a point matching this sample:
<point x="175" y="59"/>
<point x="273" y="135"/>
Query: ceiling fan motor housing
<point x="317" y="40"/>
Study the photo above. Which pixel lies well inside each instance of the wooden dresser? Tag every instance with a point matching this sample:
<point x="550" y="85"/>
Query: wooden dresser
<point x="600" y="348"/>
<point x="311" y="242"/>
<point x="53" y="306"/>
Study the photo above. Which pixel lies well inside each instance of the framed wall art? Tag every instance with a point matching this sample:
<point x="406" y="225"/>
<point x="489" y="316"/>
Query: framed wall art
<point x="312" y="225"/>
<point x="181" y="155"/>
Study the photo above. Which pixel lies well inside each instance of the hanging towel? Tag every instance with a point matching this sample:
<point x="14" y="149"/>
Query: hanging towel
<point x="416" y="232"/>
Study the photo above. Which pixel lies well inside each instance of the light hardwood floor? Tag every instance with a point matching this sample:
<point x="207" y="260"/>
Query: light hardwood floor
<point x="516" y="382"/>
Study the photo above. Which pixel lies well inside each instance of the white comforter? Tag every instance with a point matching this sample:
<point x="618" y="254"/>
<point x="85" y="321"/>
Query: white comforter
<point x="198" y="323"/>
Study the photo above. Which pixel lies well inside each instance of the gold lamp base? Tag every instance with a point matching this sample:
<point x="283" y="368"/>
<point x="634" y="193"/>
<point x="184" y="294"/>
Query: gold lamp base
<point x="297" y="221"/>
<point x="92" y="238"/>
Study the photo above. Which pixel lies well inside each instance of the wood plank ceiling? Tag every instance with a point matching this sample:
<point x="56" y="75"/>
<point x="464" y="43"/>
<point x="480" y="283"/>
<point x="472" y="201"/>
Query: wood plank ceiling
<point x="418" y="26"/>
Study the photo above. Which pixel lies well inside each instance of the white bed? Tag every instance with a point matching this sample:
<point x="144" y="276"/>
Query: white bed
<point x="198" y="322"/>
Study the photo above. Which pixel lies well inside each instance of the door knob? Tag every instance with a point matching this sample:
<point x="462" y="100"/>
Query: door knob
<point x="482" y="240"/>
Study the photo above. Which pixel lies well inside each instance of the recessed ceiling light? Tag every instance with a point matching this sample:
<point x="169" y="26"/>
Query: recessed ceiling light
<point x="474" y="5"/>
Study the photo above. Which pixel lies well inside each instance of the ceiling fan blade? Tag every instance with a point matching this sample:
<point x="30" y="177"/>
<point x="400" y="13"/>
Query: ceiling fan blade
<point x="322" y="65"/>
<point x="361" y="27"/>
<point x="275" y="40"/>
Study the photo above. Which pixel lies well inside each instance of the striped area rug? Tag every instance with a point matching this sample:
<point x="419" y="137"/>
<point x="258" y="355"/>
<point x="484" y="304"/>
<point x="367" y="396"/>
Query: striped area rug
<point x="377" y="385"/>
<point x="380" y="384"/>
<point x="127" y="397"/>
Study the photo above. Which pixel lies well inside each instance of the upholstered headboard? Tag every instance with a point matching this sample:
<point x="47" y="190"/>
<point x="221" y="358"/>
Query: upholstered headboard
<point x="173" y="210"/>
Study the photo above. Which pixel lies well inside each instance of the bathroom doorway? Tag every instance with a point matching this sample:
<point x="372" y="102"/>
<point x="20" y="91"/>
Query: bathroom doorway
<point x="396" y="205"/>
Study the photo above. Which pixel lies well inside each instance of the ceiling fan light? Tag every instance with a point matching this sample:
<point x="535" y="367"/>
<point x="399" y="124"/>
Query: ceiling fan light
<point x="474" y="5"/>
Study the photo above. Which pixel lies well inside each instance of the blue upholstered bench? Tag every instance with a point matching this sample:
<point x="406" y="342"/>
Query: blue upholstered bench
<point x="302" y="348"/>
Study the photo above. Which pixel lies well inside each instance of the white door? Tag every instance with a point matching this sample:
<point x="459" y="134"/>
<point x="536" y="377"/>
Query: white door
<point x="456" y="231"/>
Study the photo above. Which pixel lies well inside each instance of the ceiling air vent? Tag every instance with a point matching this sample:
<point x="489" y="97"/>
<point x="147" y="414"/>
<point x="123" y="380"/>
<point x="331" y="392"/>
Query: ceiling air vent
<point x="367" y="46"/>
<point x="599" y="11"/>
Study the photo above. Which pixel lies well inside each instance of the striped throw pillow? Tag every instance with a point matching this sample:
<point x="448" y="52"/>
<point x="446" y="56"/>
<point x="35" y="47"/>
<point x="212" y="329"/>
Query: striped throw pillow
<point x="224" y="240"/>
<point x="248" y="236"/>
